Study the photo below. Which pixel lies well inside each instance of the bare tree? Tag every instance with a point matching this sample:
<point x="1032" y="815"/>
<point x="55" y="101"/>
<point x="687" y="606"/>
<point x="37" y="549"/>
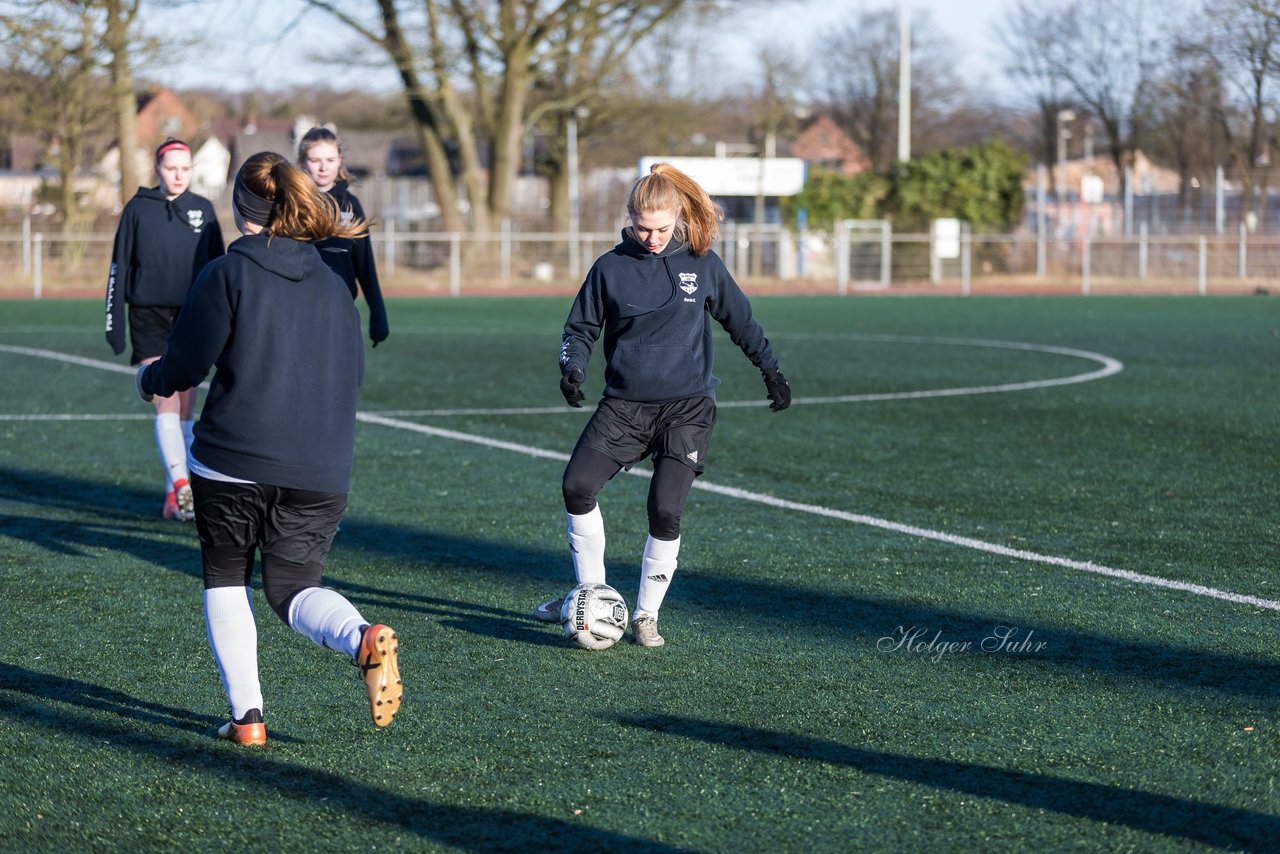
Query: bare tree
<point x="1108" y="52"/>
<point x="468" y="69"/>
<point x="1029" y="34"/>
<point x="1244" y="43"/>
<point x="1189" y="101"/>
<point x="55" y="60"/>
<point x="117" y="38"/>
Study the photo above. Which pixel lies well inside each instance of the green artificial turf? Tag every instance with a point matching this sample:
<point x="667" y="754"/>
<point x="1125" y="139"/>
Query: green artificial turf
<point x="831" y="680"/>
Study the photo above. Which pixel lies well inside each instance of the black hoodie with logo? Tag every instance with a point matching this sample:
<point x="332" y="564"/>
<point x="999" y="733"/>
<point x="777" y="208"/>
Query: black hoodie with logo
<point x="161" y="244"/>
<point x="655" y="310"/>
<point x="279" y="330"/>
<point x="353" y="261"/>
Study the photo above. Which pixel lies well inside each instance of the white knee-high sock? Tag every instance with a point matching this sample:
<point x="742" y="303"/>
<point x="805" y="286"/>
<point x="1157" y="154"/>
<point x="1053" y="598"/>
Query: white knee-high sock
<point x="586" y="541"/>
<point x="233" y="637"/>
<point x="325" y="616"/>
<point x="173" y="450"/>
<point x="656" y="569"/>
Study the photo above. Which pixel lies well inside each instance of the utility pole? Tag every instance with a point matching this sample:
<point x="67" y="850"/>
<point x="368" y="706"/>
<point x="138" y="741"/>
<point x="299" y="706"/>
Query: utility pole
<point x="904" y="81"/>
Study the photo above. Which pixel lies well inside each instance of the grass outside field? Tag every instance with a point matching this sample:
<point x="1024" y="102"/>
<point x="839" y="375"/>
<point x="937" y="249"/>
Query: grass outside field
<point x="834" y="677"/>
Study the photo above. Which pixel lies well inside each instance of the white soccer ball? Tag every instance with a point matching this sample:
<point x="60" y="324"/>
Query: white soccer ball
<point x="593" y="616"/>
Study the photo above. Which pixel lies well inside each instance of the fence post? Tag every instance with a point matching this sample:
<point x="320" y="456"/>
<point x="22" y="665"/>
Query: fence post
<point x="1086" y="251"/>
<point x="1142" y="253"/>
<point x="1244" y="257"/>
<point x="886" y="254"/>
<point x="455" y="264"/>
<point x="504" y="250"/>
<point x="1219" y="190"/>
<point x="1042" y="223"/>
<point x="966" y="247"/>
<point x="37" y="262"/>
<point x="842" y="257"/>
<point x="1204" y="265"/>
<point x="26" y="245"/>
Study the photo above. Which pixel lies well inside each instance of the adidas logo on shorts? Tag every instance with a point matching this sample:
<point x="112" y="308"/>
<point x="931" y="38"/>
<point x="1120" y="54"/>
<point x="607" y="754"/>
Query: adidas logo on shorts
<point x="692" y="455"/>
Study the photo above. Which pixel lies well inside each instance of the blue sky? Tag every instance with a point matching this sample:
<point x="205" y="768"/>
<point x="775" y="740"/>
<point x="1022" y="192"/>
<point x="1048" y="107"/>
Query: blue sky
<point x="237" y="57"/>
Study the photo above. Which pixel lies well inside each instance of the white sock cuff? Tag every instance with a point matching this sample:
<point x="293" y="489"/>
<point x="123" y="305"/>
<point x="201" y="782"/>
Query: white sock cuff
<point x="328" y="618"/>
<point x="591" y="522"/>
<point x="656" y="549"/>
<point x="223" y="602"/>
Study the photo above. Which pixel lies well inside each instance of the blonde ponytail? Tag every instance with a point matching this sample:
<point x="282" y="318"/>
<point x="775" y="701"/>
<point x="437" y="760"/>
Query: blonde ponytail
<point x="666" y="188"/>
<point x="298" y="210"/>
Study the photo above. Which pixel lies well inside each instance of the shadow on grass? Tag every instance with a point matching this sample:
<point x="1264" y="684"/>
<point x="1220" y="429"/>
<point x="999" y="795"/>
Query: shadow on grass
<point x="779" y="606"/>
<point x="467" y="828"/>
<point x="107" y="517"/>
<point x="1210" y="824"/>
<point x="111" y="523"/>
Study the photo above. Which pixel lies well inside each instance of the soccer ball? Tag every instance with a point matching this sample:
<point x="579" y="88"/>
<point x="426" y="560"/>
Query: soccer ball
<point x="593" y="616"/>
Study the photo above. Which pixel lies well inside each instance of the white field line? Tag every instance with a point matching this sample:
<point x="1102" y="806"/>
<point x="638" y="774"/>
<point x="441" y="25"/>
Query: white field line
<point x="856" y="518"/>
<point x="1111" y="366"/>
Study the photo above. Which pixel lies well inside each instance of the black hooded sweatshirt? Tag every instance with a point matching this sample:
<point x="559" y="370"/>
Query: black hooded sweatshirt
<point x="353" y="261"/>
<point x="655" y="310"/>
<point x="281" y="332"/>
<point x="160" y="246"/>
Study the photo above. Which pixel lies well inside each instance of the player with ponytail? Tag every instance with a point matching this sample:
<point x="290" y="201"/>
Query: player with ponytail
<point x="652" y="297"/>
<point x="273" y="450"/>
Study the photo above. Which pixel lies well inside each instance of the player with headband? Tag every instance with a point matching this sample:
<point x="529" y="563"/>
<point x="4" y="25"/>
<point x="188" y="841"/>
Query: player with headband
<point x="166" y="234"/>
<point x="274" y="447"/>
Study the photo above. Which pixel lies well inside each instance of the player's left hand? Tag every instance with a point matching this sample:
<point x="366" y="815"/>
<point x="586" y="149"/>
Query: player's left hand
<point x="137" y="382"/>
<point x="571" y="387"/>
<point x="778" y="389"/>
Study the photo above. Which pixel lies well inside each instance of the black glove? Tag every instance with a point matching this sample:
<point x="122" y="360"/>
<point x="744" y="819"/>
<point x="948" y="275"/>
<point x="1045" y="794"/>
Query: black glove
<point x="378" y="330"/>
<point x="571" y="387"/>
<point x="778" y="389"/>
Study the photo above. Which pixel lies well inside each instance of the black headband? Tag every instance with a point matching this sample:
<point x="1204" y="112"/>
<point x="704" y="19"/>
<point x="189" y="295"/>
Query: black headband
<point x="251" y="207"/>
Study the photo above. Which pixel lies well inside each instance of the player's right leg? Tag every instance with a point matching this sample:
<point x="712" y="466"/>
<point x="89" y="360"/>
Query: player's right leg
<point x="587" y="472"/>
<point x="228" y="522"/>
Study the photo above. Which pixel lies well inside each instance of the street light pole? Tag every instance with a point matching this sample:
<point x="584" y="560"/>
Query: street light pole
<point x="571" y="142"/>
<point x="1060" y="179"/>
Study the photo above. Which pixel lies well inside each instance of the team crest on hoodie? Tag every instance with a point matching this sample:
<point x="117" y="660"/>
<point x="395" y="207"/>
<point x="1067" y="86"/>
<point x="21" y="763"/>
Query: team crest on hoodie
<point x="688" y="282"/>
<point x="195" y="219"/>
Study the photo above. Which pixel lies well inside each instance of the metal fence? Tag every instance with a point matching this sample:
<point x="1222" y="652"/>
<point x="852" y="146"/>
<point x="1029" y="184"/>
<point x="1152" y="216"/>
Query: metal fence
<point x="855" y="257"/>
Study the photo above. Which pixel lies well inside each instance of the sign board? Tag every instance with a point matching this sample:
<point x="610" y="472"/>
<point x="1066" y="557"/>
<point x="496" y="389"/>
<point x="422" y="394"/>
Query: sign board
<point x="738" y="176"/>
<point x="946" y="238"/>
<point x="1091" y="189"/>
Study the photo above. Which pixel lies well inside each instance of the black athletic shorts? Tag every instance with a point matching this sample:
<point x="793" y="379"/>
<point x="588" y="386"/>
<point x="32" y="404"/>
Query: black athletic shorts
<point x="289" y="526"/>
<point x="627" y="431"/>
<point x="149" y="328"/>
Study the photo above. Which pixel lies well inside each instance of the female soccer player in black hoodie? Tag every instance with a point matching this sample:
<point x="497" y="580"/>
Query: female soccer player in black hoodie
<point x="320" y="156"/>
<point x="652" y="297"/>
<point x="273" y="449"/>
<point x="165" y="236"/>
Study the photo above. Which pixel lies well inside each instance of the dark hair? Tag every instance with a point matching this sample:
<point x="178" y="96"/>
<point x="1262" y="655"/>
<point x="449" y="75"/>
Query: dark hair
<point x="666" y="188"/>
<point x="168" y="145"/>
<point x="298" y="209"/>
<point x="316" y="136"/>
